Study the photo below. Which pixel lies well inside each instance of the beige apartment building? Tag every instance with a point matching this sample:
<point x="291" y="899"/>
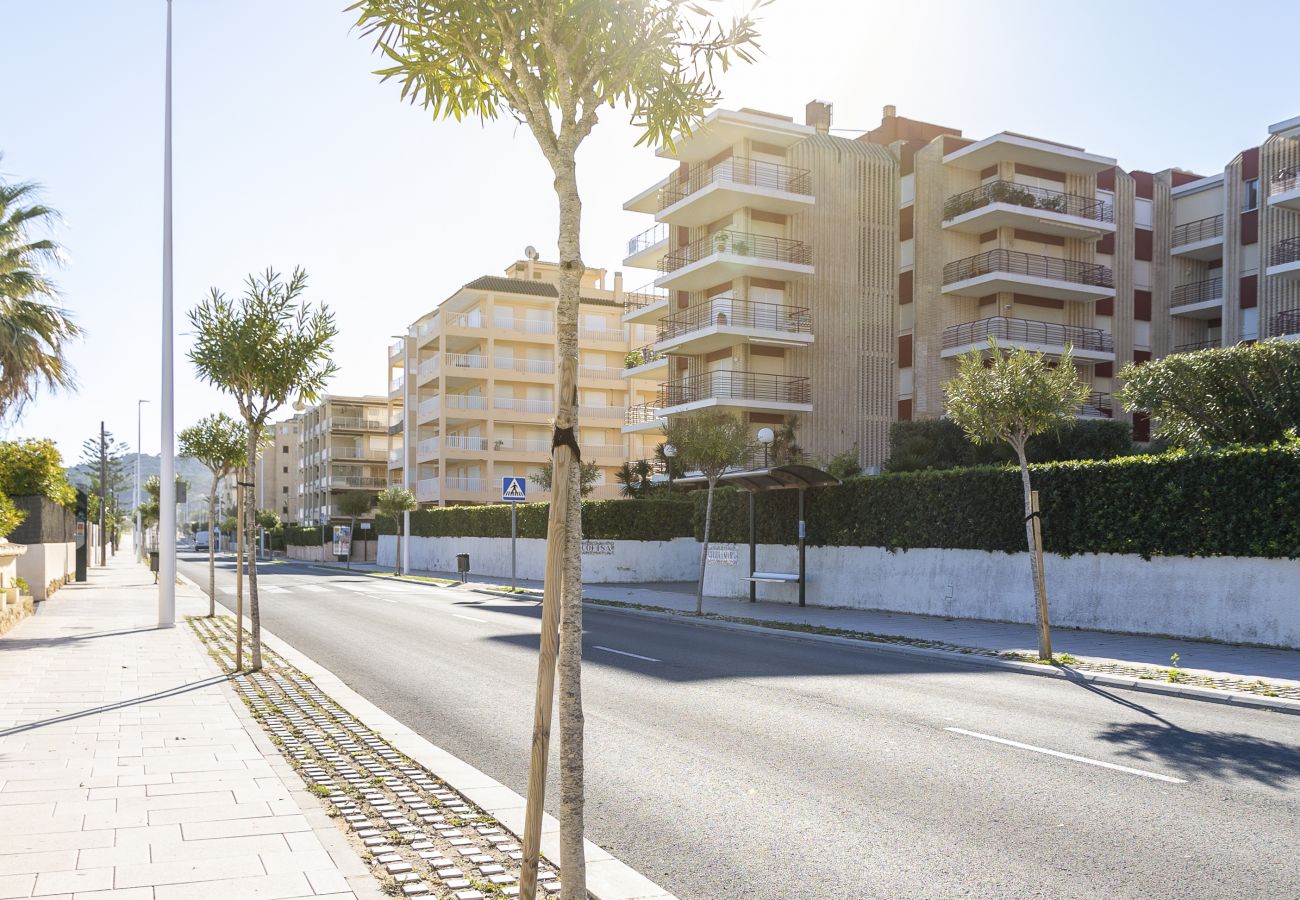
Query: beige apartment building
<point x="279" y="473"/>
<point x="343" y="446"/>
<point x="472" y="386"/>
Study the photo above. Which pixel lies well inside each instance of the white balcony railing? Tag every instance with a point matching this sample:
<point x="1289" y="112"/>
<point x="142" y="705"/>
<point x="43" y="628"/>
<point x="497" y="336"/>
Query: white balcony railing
<point x="539" y="407"/>
<point x="466" y="401"/>
<point x="397" y="456"/>
<point x="528" y="326"/>
<point x="466" y="320"/>
<point x="467" y="361"/>
<point x="604" y="372"/>
<point x="531" y="366"/>
<point x="427" y="489"/>
<point x="429" y="367"/>
<point x="603" y="449"/>
<point x="427" y="447"/>
<point x="600" y="334"/>
<point x="428" y="409"/>
<point x="522" y="445"/>
<point x="602" y="412"/>
<point x="466" y="442"/>
<point x="463" y="483"/>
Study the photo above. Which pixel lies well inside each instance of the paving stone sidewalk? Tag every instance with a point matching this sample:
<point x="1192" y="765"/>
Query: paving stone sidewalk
<point x="130" y="769"/>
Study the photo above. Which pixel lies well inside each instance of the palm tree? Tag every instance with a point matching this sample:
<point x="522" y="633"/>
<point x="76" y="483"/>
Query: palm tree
<point x="33" y="330"/>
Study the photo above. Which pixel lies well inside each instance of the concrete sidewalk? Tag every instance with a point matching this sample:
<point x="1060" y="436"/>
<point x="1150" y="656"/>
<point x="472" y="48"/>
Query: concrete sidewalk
<point x="1195" y="657"/>
<point x="129" y="768"/>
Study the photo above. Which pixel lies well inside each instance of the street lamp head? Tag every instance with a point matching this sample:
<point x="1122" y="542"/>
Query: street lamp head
<point x="766" y="436"/>
<point x="670" y="451"/>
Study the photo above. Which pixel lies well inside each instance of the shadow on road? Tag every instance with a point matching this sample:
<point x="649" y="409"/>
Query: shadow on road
<point x="1214" y="754"/>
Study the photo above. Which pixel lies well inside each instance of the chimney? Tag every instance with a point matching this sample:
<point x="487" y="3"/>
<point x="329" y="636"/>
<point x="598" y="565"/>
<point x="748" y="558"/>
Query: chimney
<point x="891" y="112"/>
<point x="818" y="114"/>
<point x="618" y="284"/>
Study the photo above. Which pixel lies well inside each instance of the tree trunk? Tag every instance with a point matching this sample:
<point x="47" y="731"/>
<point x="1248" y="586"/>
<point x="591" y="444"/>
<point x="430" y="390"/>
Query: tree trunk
<point x="212" y="550"/>
<point x="704" y="551"/>
<point x="254" y="613"/>
<point x="1039" y="581"/>
<point x="397" y="561"/>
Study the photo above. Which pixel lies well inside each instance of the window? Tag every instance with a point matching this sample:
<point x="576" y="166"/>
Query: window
<point x="1250" y="194"/>
<point x="284" y="489"/>
<point x="284" y="448"/>
<point x="284" y="470"/>
<point x="284" y="510"/>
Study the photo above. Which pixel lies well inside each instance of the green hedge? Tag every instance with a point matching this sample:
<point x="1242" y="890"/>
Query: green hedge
<point x="941" y="444"/>
<point x="632" y="520"/>
<point x="306" y="536"/>
<point x="1239" y="502"/>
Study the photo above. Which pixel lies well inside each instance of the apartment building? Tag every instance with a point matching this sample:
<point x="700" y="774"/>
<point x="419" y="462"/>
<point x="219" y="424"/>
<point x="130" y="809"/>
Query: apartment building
<point x="279" y="473"/>
<point x="472" y="386"/>
<point x="342" y="448"/>
<point x="775" y="248"/>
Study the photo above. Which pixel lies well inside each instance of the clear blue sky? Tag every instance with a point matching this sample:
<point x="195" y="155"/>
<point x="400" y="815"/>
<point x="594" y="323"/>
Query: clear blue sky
<point x="289" y="152"/>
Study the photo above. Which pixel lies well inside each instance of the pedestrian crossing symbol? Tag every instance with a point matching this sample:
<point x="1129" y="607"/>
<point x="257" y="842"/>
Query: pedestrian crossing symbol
<point x="513" y="489"/>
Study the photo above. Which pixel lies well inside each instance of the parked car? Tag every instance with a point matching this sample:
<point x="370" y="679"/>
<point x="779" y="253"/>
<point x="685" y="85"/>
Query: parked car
<point x="201" y="539"/>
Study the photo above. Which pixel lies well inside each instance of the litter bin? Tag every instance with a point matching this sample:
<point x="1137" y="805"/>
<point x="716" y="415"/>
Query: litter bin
<point x="153" y="564"/>
<point x="462" y="565"/>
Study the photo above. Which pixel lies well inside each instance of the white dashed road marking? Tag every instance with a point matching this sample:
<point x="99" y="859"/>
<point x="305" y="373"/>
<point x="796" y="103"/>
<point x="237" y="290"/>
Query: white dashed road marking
<point x="625" y="653"/>
<point x="1070" y="756"/>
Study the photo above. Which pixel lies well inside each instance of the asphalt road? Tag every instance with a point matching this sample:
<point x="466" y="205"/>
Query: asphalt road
<point x="732" y="765"/>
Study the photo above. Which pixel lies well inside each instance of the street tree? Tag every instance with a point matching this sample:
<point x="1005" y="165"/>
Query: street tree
<point x="392" y="502"/>
<point x="265" y="348"/>
<point x="30" y="466"/>
<point x="220" y="443"/>
<point x="1009" y="396"/>
<point x="1247" y="394"/>
<point x="105" y="457"/>
<point x="354" y="504"/>
<point x="634" y="478"/>
<point x="552" y="65"/>
<point x="34" y="329"/>
<point x="711" y="441"/>
<point x="543" y="477"/>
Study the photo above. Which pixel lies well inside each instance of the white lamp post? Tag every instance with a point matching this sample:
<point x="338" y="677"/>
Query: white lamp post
<point x="765" y="437"/>
<point x="139" y="537"/>
<point x="669" y="453"/>
<point x="167" y="494"/>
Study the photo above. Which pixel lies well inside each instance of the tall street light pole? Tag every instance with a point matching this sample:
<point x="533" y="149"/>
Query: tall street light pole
<point x="139" y="537"/>
<point x="407" y="412"/>
<point x="167" y="494"/>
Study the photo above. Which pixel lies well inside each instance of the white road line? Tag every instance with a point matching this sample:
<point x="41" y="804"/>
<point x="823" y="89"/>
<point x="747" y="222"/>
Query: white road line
<point x="1057" y="753"/>
<point x="625" y="653"/>
<point x="271" y="589"/>
<point x="311" y="588"/>
<point x="470" y="618"/>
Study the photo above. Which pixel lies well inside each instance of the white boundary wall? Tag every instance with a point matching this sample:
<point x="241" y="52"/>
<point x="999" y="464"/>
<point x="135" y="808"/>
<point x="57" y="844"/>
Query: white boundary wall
<point x="44" y="563"/>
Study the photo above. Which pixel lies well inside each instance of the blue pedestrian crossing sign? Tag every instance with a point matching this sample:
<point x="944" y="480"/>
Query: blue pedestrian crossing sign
<point x="513" y="489"/>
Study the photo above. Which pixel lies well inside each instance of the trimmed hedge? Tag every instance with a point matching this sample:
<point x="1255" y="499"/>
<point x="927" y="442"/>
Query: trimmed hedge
<point x="941" y="444"/>
<point x="611" y="520"/>
<point x="305" y="536"/>
<point x="1237" y="502"/>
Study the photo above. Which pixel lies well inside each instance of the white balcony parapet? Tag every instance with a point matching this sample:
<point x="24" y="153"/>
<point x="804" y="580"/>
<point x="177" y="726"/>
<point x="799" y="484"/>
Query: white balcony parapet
<point x="467" y="361"/>
<point x="427" y="489"/>
<point x="523" y="324"/>
<point x="530" y="366"/>
<point x="538" y="407"/>
<point x="465" y="442"/>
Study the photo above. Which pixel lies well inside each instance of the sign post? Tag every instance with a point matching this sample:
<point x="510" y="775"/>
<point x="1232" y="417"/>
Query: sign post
<point x="514" y="489"/>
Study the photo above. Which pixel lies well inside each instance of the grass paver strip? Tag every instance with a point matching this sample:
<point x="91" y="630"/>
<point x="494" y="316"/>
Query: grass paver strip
<point x="420" y="836"/>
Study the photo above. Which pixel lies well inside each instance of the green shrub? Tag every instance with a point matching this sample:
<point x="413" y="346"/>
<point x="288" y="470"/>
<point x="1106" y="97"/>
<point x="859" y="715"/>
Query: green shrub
<point x="1237" y="502"/>
<point x="645" y="520"/>
<point x="10" y="516"/>
<point x="941" y="444"/>
<point x="34" y="467"/>
<point x="306" y="536"/>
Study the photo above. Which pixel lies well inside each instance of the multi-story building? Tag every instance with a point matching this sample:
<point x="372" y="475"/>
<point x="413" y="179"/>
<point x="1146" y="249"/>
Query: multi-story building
<point x="342" y="448"/>
<point x="774" y="243"/>
<point x="279" y="473"/>
<point x="473" y="384"/>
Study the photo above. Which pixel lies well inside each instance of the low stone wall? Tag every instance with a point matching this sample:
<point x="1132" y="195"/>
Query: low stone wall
<point x="14" y="607"/>
<point x="47" y="567"/>
<point x="603" y="562"/>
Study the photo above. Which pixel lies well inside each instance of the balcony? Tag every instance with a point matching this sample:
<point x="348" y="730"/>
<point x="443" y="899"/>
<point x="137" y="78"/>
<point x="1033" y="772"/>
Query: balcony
<point x="522" y="445"/>
<point x="465" y="361"/>
<point x="1193" y="346"/>
<point x="465" y="443"/>
<point x="1198" y="300"/>
<point x="1001" y="204"/>
<point x="643" y="362"/>
<point x="646" y="304"/>
<point x="1097" y="406"/>
<point x="611" y="451"/>
<point x="395" y="348"/>
<point x="726" y="255"/>
<point x="356" y="423"/>
<point x="642" y="417"/>
<point x="608" y="335"/>
<point x="1202" y="239"/>
<point x="354" y="453"/>
<point x="465" y="405"/>
<point x="428" y="368"/>
<point x="427" y="449"/>
<point x="1285" y="324"/>
<point x="396" y="383"/>
<point x="428" y="409"/>
<point x="1013" y="271"/>
<point x="469" y="321"/>
<point x="1284" y="260"/>
<point x="602" y="412"/>
<point x="357" y="481"/>
<point x="723" y="321"/>
<point x="745" y="390"/>
<point x="427" y="490"/>
<point x="545" y="325"/>
<point x="1284" y="188"/>
<point x="527" y="407"/>
<point x="470" y="484"/>
<point x="396" y="458"/>
<point x="710" y="192"/>
<point x="646" y="249"/>
<point x="526" y="366"/>
<point x="600" y="373"/>
<point x="1087" y="344"/>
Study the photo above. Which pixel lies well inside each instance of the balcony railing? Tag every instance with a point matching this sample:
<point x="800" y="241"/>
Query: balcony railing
<point x="428" y="408"/>
<point x="1029" y="332"/>
<point x="601" y="412"/>
<point x="646" y="295"/>
<point x="1017" y="262"/>
<point x="466" y="401"/>
<point x="725" y="385"/>
<point x="603" y="372"/>
<point x="465" y="442"/>
<point x="741" y="243"/>
<point x="463" y="483"/>
<point x="1193" y="346"/>
<point x="1286" y="321"/>
<point x="357" y="481"/>
<point x="1029" y="197"/>
<point x="729" y="311"/>
<point x="466" y="320"/>
<point x="355" y="453"/>
<point x="397" y="455"/>
<point x="1196" y="292"/>
<point x="428" y="447"/>
<point x="427" y="489"/>
<point x="1200" y="230"/>
<point x="641" y="356"/>
<point x="589" y="450"/>
<point x="522" y="445"/>
<point x="357" y="424"/>
<point x="647" y="239"/>
<point x="395" y="383"/>
<point x="601" y="334"/>
<point x="1285" y="251"/>
<point x="641" y="414"/>
<point x="1097" y="406"/>
<point x="429" y="367"/>
<point x="531" y="366"/>
<point x="467" y="361"/>
<point x="520" y="323"/>
<point x="1287" y="179"/>
<point x="537" y="407"/>
<point x="737" y="170"/>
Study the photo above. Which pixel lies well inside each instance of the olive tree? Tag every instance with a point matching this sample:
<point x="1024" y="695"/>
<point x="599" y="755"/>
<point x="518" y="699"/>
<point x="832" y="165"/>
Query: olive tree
<point x="712" y="441"/>
<point x="264" y="348"/>
<point x="1009" y="396"/>
<point x="353" y="504"/>
<point x="220" y="443"/>
<point x="552" y="65"/>
<point x="393" y="502"/>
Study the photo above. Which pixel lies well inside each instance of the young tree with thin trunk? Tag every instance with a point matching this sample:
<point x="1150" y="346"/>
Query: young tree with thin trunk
<point x="712" y="441"/>
<point x="220" y="443"/>
<point x="552" y="65"/>
<point x="265" y="349"/>
<point x="393" y="502"/>
<point x="1011" y="395"/>
<point x="353" y="504"/>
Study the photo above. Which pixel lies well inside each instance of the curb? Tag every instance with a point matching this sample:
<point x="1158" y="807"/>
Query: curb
<point x="607" y="877"/>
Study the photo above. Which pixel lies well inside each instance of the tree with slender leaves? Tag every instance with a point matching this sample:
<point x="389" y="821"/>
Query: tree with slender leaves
<point x="634" y="479"/>
<point x="34" y="329"/>
<point x="552" y="65"/>
<point x="220" y="443"/>
<point x="785" y="442"/>
<point x="265" y="348"/>
<point x="354" y="504"/>
<point x="106" y="460"/>
<point x="1247" y="394"/>
<point x="391" y="503"/>
<point x="1011" y="395"/>
<point x="543" y="477"/>
<point x="711" y="441"/>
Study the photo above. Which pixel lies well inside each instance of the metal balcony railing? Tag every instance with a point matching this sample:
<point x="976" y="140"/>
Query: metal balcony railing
<point x="641" y="356"/>
<point x="466" y="361"/>
<point x="1029" y="197"/>
<point x="601" y="372"/>
<point x="1097" y="406"/>
<point x="536" y="407"/>
<point x="357" y="481"/>
<point x="429" y="367"/>
<point x="1193" y="346"/>
<point x="428" y="447"/>
<point x="522" y="445"/>
<point x="1287" y="179"/>
<point x="428" y="408"/>
<point x="355" y="453"/>
<point x="463" y="483"/>
<point x="1027" y="331"/>
<point x="740" y="243"/>
<point x="601" y="334"/>
<point x="466" y="401"/>
<point x="589" y="450"/>
<point x="737" y="170"/>
<point x="1196" y="292"/>
<point x="521" y="323"/>
<point x="729" y="385"/>
<point x="730" y="311"/>
<point x="646" y="295"/>
<point x="1200" y="230"/>
<point x="466" y="320"/>
<point x="427" y="489"/>
<point x="641" y="414"/>
<point x="530" y="366"/>
<point x="1285" y="251"/>
<point x="1017" y="262"/>
<point x="465" y="442"/>
<point x="601" y="412"/>
<point x="1286" y="321"/>
<point x="647" y="239"/>
<point x="356" y="423"/>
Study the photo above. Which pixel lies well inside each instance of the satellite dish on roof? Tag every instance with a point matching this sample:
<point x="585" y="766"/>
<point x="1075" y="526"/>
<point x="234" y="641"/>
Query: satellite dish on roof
<point x="299" y="406"/>
<point x="530" y="251"/>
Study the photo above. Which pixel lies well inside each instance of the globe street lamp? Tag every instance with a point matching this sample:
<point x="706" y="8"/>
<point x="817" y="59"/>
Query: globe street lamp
<point x="669" y="452"/>
<point x="765" y="437"/>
